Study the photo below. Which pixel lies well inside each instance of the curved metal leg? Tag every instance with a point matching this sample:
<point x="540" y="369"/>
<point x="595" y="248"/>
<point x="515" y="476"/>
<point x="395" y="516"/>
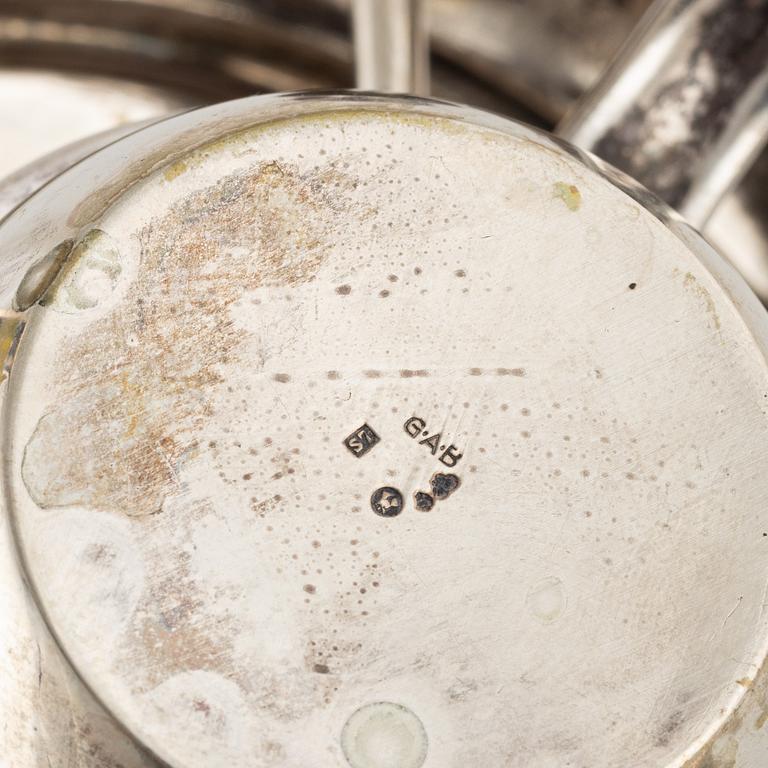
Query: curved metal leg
<point x="682" y="108"/>
<point x="391" y="46"/>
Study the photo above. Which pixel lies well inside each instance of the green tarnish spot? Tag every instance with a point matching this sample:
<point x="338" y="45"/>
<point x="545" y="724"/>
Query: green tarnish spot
<point x="569" y="194"/>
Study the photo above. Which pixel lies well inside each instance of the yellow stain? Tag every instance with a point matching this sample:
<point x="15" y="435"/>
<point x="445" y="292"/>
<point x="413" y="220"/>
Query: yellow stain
<point x="8" y="328"/>
<point x="569" y="194"/>
<point x="175" y="170"/>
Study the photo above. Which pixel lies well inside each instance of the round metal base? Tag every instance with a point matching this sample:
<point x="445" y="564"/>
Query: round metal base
<point x="379" y="433"/>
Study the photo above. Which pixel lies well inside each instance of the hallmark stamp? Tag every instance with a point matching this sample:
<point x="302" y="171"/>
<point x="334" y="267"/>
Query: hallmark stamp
<point x="442" y="486"/>
<point x="387" y="501"/>
<point x="361" y="441"/>
<point x="447" y="454"/>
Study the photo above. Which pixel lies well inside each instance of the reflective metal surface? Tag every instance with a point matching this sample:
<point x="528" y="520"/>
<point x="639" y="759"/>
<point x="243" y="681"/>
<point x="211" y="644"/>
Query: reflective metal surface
<point x="682" y="109"/>
<point x="372" y="432"/>
<point x="71" y="70"/>
<point x="18" y="186"/>
<point x="541" y="54"/>
<point x="43" y="112"/>
<point x="217" y="472"/>
<point x="391" y="46"/>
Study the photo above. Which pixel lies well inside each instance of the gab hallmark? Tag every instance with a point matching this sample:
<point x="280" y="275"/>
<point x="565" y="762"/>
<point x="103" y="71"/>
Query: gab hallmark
<point x="448" y="454"/>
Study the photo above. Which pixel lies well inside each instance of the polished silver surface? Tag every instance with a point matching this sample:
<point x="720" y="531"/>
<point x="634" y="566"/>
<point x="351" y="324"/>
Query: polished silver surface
<point x="391" y="46"/>
<point x="17" y="187"/>
<point x="43" y="111"/>
<point x="542" y="54"/>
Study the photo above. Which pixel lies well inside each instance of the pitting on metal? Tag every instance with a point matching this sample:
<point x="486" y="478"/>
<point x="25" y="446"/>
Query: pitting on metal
<point x="198" y="420"/>
<point x="357" y="431"/>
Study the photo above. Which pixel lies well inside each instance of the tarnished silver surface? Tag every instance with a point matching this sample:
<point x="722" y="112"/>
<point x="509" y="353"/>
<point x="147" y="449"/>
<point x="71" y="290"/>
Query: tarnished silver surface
<point x="253" y="333"/>
<point x="178" y="621"/>
<point x="733" y="155"/>
<point x="689" y="83"/>
<point x="683" y="108"/>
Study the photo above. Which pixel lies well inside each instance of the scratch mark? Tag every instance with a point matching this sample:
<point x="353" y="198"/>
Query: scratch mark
<point x="735" y="608"/>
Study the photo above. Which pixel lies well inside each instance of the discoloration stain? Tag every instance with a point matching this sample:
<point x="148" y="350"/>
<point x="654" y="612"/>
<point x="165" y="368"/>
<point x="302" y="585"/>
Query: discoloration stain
<point x="175" y="170"/>
<point x="289" y="695"/>
<point x="131" y="412"/>
<point x="546" y="600"/>
<point x="518" y="372"/>
<point x="722" y="749"/>
<point x="193" y="146"/>
<point x="97" y="747"/>
<point x="273" y="752"/>
<point x="669" y="728"/>
<point x="179" y="630"/>
<point x="693" y="285"/>
<point x="569" y="194"/>
<point x="461" y="690"/>
<point x="144" y="459"/>
<point x="11" y="328"/>
<point x="176" y="630"/>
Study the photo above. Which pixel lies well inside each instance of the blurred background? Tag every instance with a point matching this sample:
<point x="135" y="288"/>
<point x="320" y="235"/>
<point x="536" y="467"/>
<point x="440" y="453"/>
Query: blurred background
<point x="690" y="86"/>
